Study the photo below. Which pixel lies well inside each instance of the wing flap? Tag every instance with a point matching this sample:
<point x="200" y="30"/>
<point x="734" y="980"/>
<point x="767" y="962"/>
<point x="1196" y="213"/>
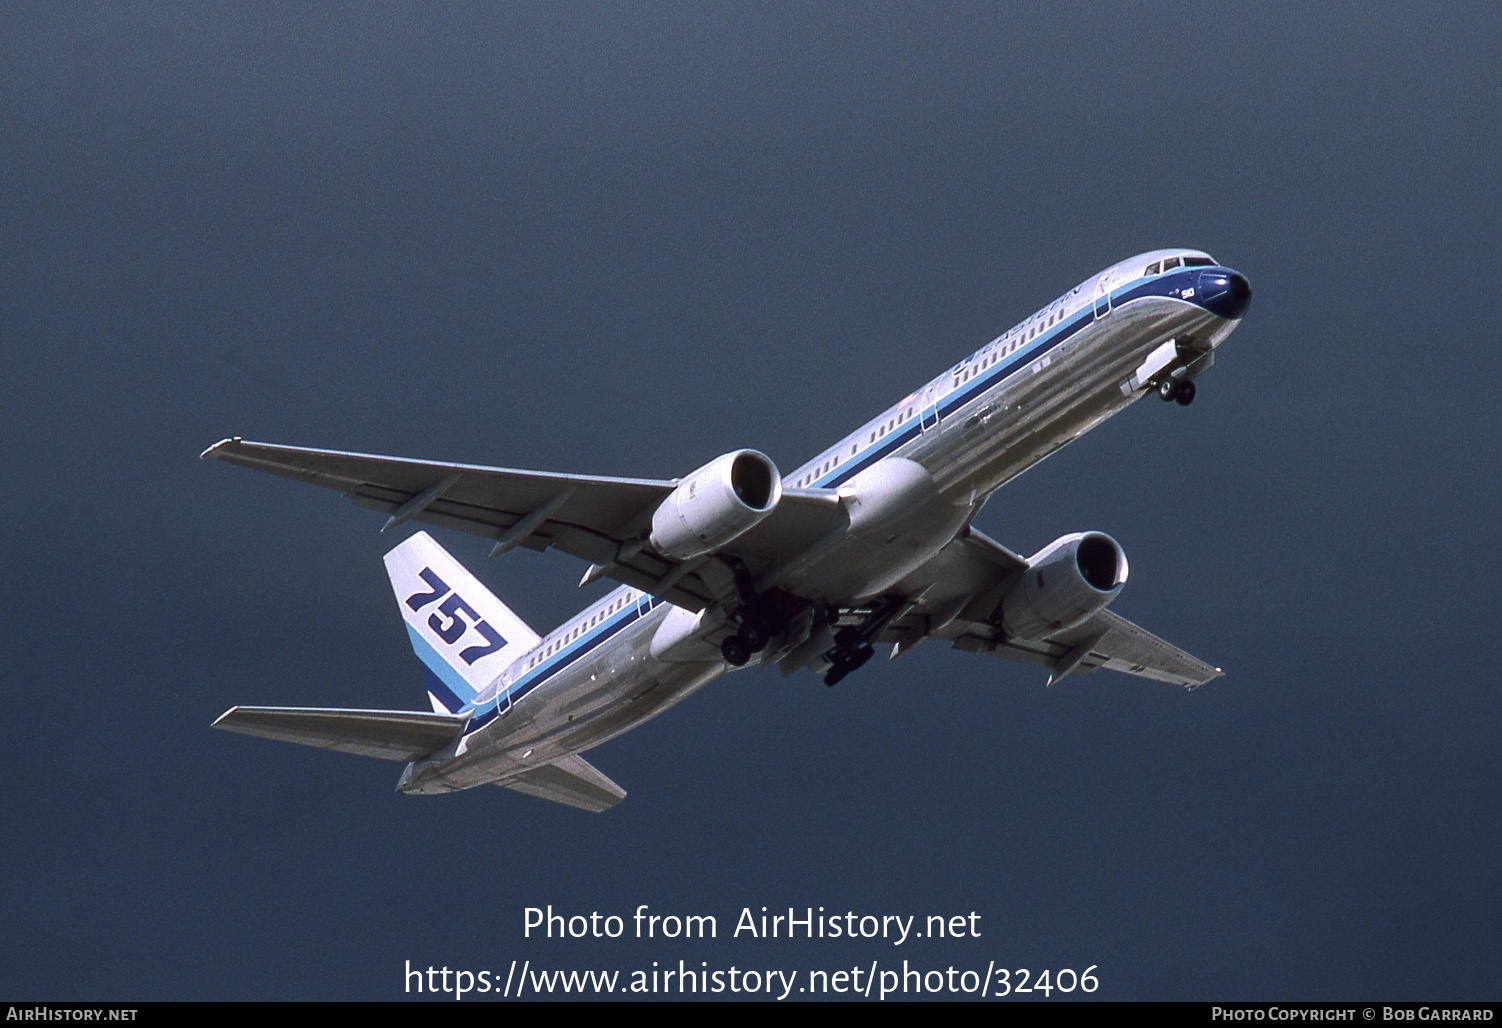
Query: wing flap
<point x="1133" y="650"/>
<point x="387" y="734"/>
<point x="1106" y="640"/>
<point x="572" y="781"/>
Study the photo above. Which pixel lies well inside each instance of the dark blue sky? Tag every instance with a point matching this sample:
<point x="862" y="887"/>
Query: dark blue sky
<point x="624" y="239"/>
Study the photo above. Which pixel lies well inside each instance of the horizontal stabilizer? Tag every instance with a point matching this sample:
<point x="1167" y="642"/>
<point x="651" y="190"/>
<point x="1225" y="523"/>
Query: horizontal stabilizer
<point x="572" y="781"/>
<point x="387" y="734"/>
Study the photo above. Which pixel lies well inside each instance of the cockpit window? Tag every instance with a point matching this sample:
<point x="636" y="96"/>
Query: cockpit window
<point x="1198" y="262"/>
<point x="1152" y="269"/>
<point x="1172" y="262"/>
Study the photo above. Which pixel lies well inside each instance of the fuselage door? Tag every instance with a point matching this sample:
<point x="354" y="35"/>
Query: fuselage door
<point x="928" y="411"/>
<point x="497" y="690"/>
<point x="1103" y="295"/>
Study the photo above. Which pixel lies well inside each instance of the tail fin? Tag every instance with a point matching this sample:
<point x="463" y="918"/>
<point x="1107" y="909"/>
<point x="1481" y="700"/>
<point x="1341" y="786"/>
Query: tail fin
<point x="463" y="635"/>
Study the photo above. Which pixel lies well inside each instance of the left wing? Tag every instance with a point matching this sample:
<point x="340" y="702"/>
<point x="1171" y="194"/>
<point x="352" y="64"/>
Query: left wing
<point x="604" y="521"/>
<point x="958" y="596"/>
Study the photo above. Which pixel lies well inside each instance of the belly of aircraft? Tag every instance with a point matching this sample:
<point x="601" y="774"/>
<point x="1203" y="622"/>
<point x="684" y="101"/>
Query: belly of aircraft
<point x="616" y="688"/>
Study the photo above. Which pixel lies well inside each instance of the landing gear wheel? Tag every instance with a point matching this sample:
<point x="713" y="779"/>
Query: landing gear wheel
<point x="1168" y="389"/>
<point x="753" y="635"/>
<point x="1185" y="394"/>
<point x="735" y="652"/>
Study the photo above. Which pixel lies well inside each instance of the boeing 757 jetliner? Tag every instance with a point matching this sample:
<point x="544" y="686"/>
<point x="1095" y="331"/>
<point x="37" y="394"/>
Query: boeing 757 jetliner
<point x="870" y="543"/>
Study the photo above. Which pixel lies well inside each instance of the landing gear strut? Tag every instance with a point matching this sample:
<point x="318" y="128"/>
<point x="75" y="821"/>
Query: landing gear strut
<point x="760" y="619"/>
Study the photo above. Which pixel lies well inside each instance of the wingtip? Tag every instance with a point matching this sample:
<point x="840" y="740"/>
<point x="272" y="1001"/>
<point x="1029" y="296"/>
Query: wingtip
<point x="213" y="451"/>
<point x="1192" y="686"/>
<point x="218" y="721"/>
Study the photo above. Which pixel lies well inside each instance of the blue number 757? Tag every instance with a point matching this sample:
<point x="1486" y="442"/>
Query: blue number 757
<point x="452" y="626"/>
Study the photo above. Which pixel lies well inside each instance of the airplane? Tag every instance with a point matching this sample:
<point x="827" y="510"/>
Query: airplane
<point x="736" y="565"/>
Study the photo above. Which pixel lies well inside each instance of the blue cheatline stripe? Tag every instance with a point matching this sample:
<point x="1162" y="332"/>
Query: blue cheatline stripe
<point x="454" y="688"/>
<point x="1046" y="342"/>
<point x="562" y="660"/>
<point x="440" y="692"/>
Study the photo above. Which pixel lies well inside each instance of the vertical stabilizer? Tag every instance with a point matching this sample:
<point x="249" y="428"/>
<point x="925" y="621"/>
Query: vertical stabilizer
<point x="464" y="636"/>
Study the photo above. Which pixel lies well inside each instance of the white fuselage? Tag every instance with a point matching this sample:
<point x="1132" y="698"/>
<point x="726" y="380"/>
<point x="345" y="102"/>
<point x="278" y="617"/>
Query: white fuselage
<point x="942" y="450"/>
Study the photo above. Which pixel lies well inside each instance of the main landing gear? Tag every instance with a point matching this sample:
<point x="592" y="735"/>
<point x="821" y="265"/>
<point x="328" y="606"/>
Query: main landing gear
<point x="735" y="651"/>
<point x="1173" y="389"/>
<point x="852" y="643"/>
<point x="849" y="654"/>
<point x="754" y="634"/>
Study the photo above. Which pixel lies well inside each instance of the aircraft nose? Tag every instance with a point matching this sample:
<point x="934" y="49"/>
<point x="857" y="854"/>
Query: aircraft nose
<point x="1225" y="292"/>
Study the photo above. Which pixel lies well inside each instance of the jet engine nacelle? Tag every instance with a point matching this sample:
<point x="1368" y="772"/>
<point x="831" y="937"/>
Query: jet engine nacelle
<point x="716" y="504"/>
<point x="1068" y="581"/>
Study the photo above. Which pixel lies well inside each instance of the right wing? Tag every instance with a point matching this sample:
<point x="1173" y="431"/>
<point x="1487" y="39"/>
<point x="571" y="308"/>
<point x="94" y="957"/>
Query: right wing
<point x="1107" y="641"/>
<point x="957" y="597"/>
<point x="604" y="521"/>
